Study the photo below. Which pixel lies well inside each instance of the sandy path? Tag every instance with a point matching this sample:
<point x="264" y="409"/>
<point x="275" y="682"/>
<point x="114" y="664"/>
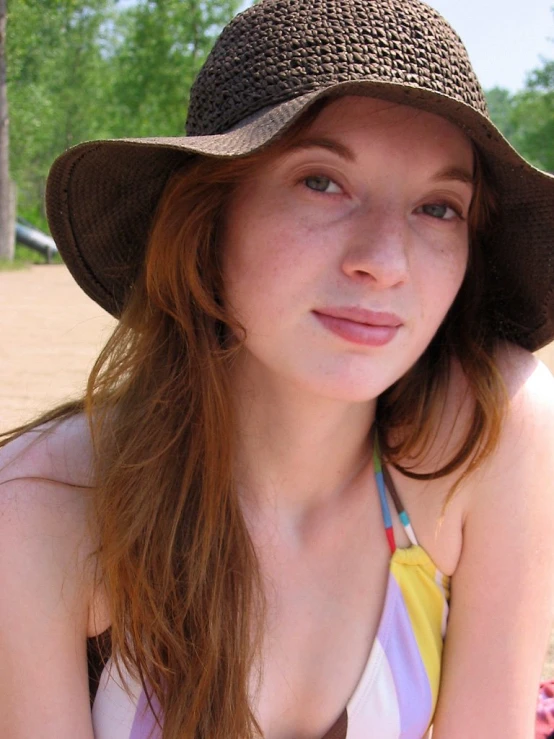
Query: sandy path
<point x="50" y="334"/>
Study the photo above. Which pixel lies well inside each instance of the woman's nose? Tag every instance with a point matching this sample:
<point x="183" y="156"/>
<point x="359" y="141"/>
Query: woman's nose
<point x="377" y="249"/>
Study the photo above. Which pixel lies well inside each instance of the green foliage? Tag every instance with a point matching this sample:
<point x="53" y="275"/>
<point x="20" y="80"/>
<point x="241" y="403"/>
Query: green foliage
<point x="533" y="117"/>
<point x="89" y="69"/>
<point x="500" y="106"/>
<point x="163" y="44"/>
<point x="24" y="257"/>
<point x="527" y="117"/>
<point x="56" y="69"/>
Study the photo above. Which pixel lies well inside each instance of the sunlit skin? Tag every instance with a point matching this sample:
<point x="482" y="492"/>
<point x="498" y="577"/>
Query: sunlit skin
<point x="368" y="212"/>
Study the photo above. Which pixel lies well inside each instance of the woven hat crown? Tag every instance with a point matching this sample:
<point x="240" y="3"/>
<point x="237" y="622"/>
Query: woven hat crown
<point x="281" y="49"/>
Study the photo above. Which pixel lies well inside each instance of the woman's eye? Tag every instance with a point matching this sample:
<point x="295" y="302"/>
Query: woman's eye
<point x="319" y="183"/>
<point x="442" y="211"/>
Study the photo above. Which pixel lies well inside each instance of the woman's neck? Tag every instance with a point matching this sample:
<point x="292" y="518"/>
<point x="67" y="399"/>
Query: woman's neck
<point x="295" y="452"/>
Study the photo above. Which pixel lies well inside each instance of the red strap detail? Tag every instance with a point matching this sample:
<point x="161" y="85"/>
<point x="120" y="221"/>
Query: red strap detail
<point x="390" y="539"/>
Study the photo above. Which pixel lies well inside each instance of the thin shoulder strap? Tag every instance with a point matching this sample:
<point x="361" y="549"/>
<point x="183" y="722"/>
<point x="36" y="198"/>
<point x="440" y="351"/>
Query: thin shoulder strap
<point x="384" y="483"/>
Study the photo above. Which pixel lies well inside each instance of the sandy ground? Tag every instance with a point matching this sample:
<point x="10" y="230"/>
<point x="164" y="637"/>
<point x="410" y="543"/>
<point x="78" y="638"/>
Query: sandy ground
<point x="50" y="334"/>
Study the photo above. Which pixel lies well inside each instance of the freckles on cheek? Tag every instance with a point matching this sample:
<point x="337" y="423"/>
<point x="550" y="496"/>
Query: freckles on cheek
<point x="441" y="298"/>
<point x="257" y="274"/>
<point x="449" y="265"/>
<point x="439" y="284"/>
<point x="281" y="254"/>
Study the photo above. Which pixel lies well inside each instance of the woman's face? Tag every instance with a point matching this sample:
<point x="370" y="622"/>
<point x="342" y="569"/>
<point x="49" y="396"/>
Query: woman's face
<point x="343" y="255"/>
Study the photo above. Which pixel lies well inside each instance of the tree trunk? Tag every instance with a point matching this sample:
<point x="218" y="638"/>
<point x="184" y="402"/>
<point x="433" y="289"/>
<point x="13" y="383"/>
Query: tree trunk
<point x="7" y="215"/>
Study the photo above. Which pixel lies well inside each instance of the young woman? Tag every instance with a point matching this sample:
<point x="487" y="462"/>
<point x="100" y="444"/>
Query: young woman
<point x="307" y="493"/>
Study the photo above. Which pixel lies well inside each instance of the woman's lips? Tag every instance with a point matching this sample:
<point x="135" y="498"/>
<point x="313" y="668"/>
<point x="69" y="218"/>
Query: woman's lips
<point x="360" y="326"/>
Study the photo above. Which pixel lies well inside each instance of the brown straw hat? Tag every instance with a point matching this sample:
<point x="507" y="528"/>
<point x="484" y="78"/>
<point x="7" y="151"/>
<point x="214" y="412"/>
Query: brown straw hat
<point x="269" y="64"/>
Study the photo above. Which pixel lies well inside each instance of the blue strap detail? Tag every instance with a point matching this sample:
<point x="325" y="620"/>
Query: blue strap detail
<point x="381" y="486"/>
<point x="404" y="518"/>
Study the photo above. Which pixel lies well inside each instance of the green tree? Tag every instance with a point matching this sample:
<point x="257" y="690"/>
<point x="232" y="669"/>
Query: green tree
<point x="163" y="43"/>
<point x="500" y="102"/>
<point x="533" y="117"/>
<point x="85" y="69"/>
<point x="6" y="199"/>
<point x="527" y="117"/>
<point x="57" y="74"/>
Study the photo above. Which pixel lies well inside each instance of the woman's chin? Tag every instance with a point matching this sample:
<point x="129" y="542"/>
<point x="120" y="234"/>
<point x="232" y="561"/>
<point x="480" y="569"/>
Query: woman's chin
<point x="347" y="378"/>
<point x="342" y="387"/>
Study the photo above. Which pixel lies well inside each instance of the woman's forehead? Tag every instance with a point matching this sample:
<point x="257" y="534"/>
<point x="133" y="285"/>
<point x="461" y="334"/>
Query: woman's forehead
<point x="351" y="120"/>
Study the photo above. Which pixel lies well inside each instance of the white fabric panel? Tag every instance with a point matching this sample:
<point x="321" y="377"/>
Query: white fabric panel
<point x="373" y="709"/>
<point x="113" y="711"/>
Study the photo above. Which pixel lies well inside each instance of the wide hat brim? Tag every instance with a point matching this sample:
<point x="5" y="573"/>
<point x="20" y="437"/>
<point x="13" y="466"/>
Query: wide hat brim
<point x="101" y="198"/>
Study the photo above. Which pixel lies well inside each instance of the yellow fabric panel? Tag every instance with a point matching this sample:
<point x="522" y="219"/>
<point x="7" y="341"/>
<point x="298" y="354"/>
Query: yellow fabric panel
<point x="424" y="590"/>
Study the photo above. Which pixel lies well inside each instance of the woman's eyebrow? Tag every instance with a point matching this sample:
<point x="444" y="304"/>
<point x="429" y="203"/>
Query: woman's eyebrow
<point x="455" y="173"/>
<point x="324" y="143"/>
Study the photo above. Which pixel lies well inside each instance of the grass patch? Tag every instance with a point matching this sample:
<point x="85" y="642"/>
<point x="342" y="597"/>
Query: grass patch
<point x="25" y="257"/>
<point x="7" y="266"/>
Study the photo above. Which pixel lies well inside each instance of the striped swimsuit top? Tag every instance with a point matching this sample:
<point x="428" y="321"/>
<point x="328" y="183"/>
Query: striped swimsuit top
<point x="397" y="692"/>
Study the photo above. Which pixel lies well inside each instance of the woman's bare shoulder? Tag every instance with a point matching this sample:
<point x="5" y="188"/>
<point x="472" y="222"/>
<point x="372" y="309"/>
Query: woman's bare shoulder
<point x="502" y="588"/>
<point x="521" y="457"/>
<point x="60" y="452"/>
<point x="529" y="387"/>
<point x="47" y="578"/>
<point x="526" y="438"/>
<point x="46" y="493"/>
<point x="524" y="432"/>
<point x="523" y="373"/>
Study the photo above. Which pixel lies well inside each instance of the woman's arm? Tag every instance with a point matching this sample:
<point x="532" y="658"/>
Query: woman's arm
<point x="44" y="600"/>
<point x="502" y="590"/>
